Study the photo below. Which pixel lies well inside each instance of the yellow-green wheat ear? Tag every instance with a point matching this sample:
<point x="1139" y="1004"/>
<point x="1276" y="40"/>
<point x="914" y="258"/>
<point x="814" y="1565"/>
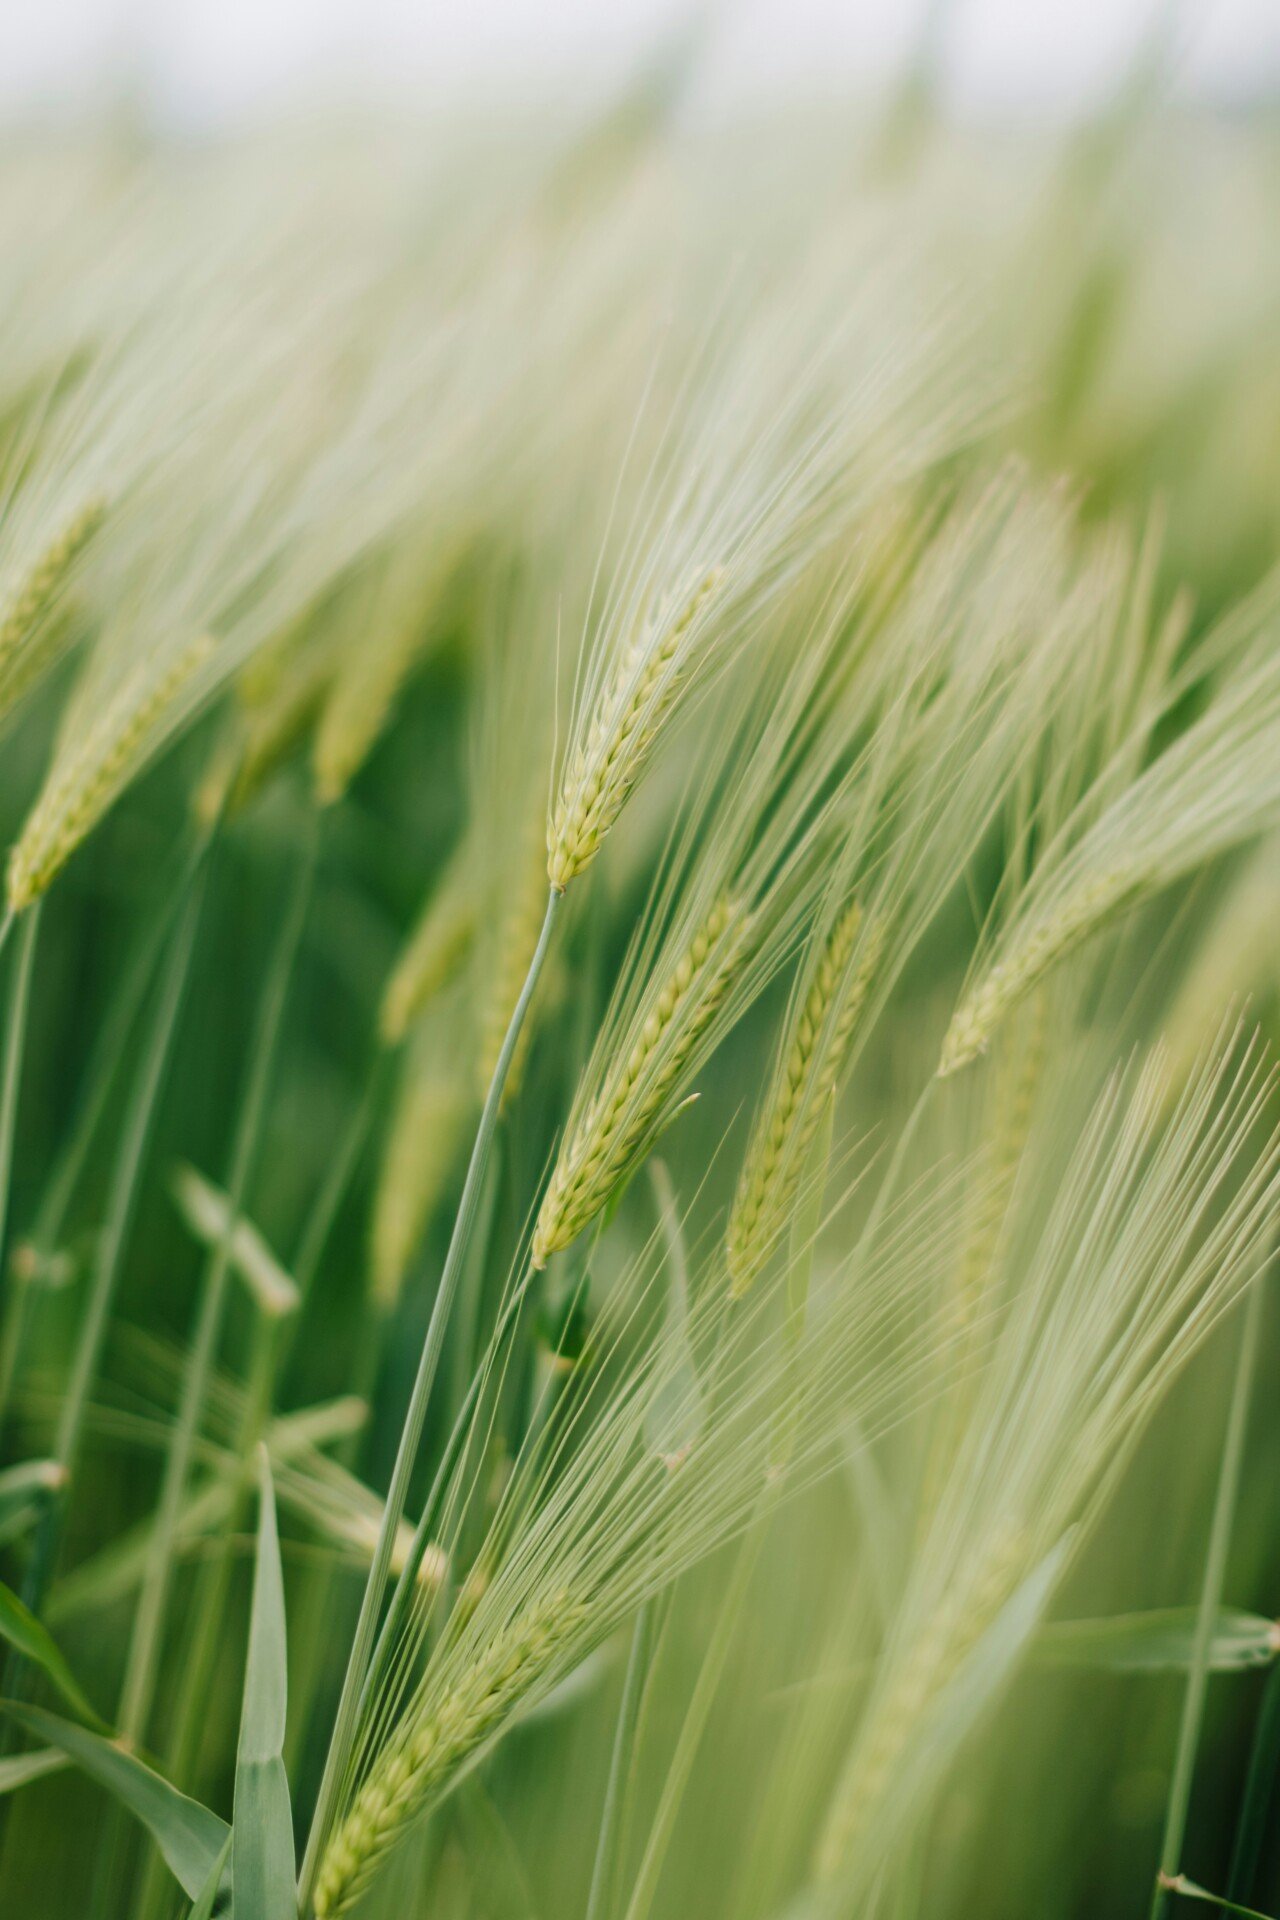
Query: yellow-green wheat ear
<point x="436" y="950"/>
<point x="46" y="577"/>
<point x="617" y="1124"/>
<point x="624" y="725"/>
<point x="436" y="1739"/>
<point x="1033" y="955"/>
<point x="87" y="775"/>
<point x="814" y="1054"/>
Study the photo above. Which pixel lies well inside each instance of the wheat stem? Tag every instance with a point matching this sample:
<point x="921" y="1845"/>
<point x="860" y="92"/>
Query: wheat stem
<point x="121" y="1201"/>
<point x="1224" y="1508"/>
<point x="345" y="1724"/>
<point x="14" y="1047"/>
<point x="145" y="1645"/>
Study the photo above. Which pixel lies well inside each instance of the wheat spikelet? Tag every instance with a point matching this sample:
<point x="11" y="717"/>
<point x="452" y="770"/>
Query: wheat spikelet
<point x="432" y="956"/>
<point x="278" y="704"/>
<point x="812" y="1059"/>
<point x="624" y="726"/>
<point x="1016" y="1092"/>
<point x="46" y="577"/>
<point x="391" y="622"/>
<point x="356" y="711"/>
<point x="428" y="1751"/>
<point x="1016" y="1096"/>
<point x="1081" y="912"/>
<point x="86" y="777"/>
<point x="920" y="1672"/>
<point x="423" y="1140"/>
<point x="616" y="1124"/>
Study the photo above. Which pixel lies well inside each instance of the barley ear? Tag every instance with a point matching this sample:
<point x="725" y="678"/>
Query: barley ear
<point x="618" y="1124"/>
<point x="627" y="719"/>
<point x="816" y="1048"/>
<point x="1044" y="942"/>
<point x="87" y="776"/>
<point x="46" y="577"/>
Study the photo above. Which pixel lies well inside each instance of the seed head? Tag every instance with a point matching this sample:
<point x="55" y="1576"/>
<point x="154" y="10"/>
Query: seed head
<point x="626" y="721"/>
<point x="616" y="1125"/>
<point x="47" y="576"/>
<point x="89" y="772"/>
<point x="435" y="1740"/>
<point x="811" y="1063"/>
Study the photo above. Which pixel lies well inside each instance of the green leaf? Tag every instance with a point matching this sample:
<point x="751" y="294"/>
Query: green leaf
<point x="187" y="1834"/>
<point x="262" y="1861"/>
<point x="24" y="1767"/>
<point x="35" y="1643"/>
<point x="203" y="1908"/>
<point x="1161" y="1641"/>
<point x="1179" y="1883"/>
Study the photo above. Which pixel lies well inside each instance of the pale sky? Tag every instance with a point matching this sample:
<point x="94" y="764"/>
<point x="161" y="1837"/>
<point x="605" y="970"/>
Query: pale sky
<point x="209" y="61"/>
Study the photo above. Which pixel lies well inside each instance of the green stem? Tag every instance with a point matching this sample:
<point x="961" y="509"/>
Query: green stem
<point x="95" y="1089"/>
<point x="15" y="1038"/>
<point x="1224" y="1507"/>
<point x="93" y="1099"/>
<point x="106" y="1270"/>
<point x="142" y="1665"/>
<point x="604" y="1872"/>
<point x="341" y="1743"/>
<point x="108" y="1052"/>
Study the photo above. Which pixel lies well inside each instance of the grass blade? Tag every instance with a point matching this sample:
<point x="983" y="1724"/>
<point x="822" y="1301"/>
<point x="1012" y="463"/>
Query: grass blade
<point x="25" y="1767"/>
<point x="190" y="1837"/>
<point x="35" y="1643"/>
<point x="1161" y="1641"/>
<point x="262" y="1863"/>
<point x="203" y="1908"/>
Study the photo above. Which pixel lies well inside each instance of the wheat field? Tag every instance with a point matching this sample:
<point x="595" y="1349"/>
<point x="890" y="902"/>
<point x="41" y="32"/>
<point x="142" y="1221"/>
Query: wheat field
<point x="639" y="1139"/>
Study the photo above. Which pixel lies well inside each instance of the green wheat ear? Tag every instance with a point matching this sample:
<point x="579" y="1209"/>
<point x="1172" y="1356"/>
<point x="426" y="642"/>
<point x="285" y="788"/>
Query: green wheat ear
<point x="620" y="1120"/>
<point x="91" y="768"/>
<point x="814" y="1051"/>
<point x="622" y="730"/>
